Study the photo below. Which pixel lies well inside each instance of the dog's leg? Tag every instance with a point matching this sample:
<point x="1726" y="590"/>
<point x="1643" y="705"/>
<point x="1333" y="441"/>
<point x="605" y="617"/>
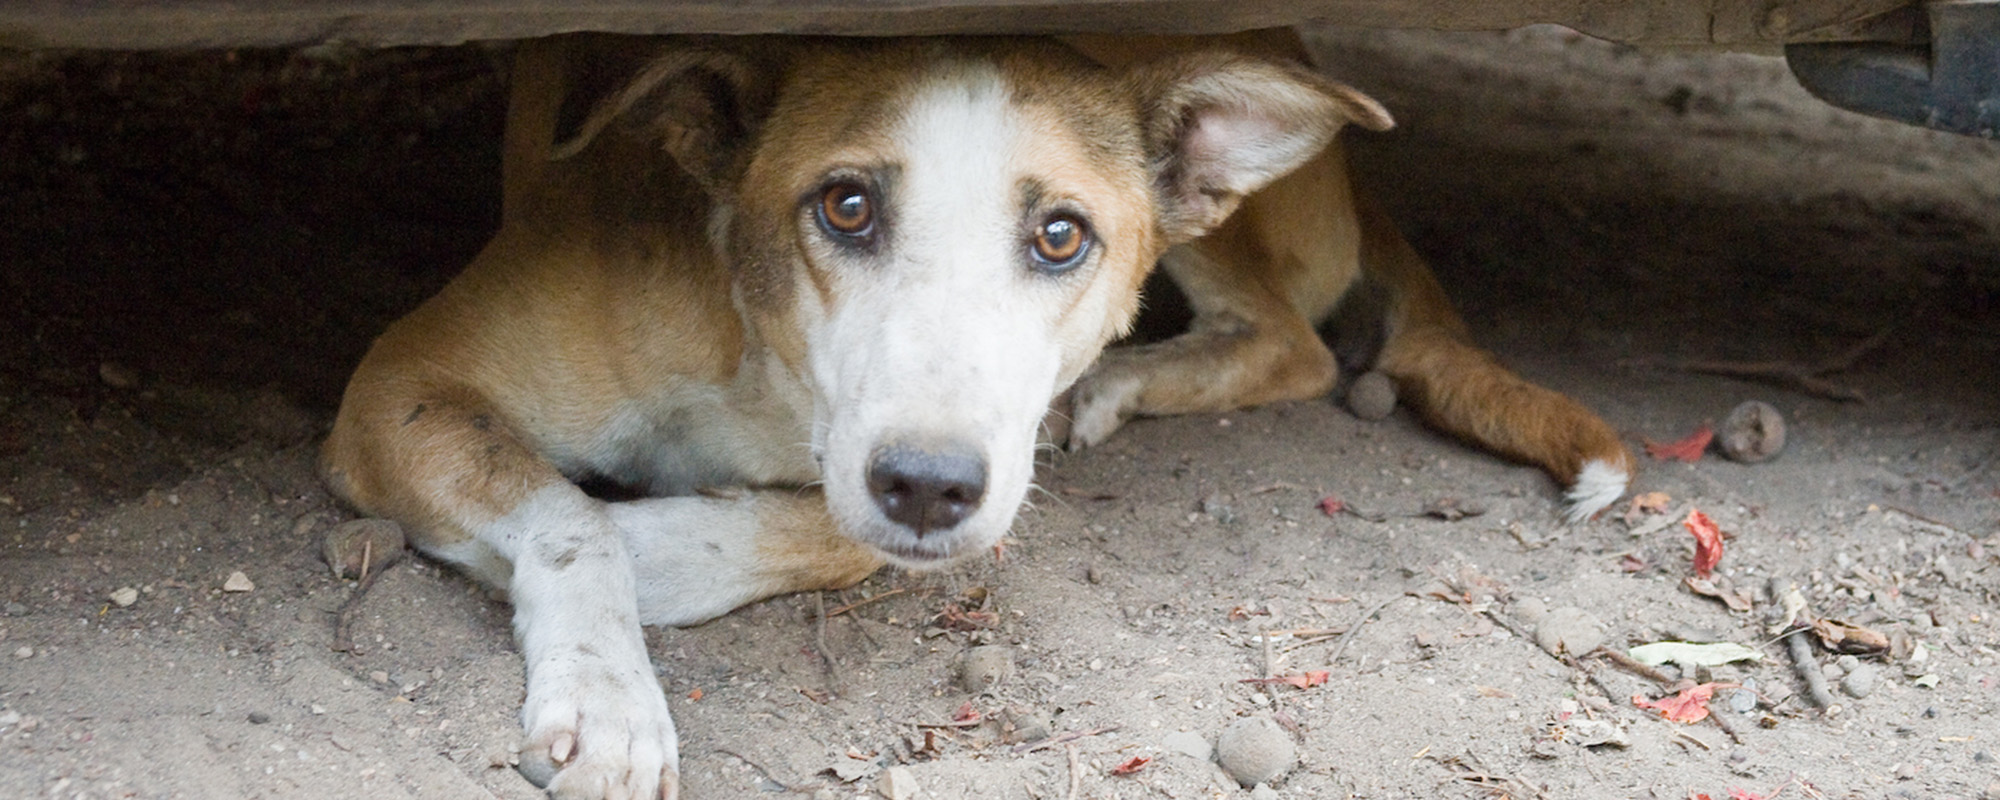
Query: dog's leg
<point x="472" y="493"/>
<point x="695" y="558"/>
<point x="1463" y="390"/>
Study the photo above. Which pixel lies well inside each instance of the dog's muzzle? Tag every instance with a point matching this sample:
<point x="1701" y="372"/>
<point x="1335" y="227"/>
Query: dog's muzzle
<point x="927" y="489"/>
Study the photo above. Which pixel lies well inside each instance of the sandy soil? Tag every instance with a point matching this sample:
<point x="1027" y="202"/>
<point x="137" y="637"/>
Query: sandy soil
<point x="199" y="246"/>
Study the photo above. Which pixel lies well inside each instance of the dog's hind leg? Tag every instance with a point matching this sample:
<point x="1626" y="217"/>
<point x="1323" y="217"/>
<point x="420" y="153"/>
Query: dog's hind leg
<point x="472" y="492"/>
<point x="1463" y="390"/>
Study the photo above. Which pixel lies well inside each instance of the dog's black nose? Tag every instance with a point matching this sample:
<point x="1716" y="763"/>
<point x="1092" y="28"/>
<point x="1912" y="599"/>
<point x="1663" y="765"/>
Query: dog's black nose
<point x="926" y="489"/>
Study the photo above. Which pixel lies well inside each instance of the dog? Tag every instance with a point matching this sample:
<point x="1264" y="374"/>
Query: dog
<point x="1310" y="253"/>
<point x="810" y="299"/>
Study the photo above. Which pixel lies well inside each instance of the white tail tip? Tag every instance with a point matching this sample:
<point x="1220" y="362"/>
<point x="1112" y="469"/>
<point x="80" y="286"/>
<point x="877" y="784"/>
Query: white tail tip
<point x="1598" y="486"/>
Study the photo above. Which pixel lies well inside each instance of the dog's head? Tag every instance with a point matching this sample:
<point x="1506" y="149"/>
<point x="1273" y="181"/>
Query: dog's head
<point x="941" y="235"/>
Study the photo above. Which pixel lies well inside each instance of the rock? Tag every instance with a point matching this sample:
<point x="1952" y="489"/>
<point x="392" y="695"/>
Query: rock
<point x="896" y="783"/>
<point x="1217" y="507"/>
<point x="258" y="717"/>
<point x="1263" y="792"/>
<point x="1598" y="733"/>
<point x="1188" y="743"/>
<point x="1753" y="432"/>
<point x="381" y="541"/>
<point x="985" y="667"/>
<point x="118" y="376"/>
<point x="9" y="718"/>
<point x="16" y="610"/>
<point x="1530" y="610"/>
<point x="125" y="596"/>
<point x="24" y="651"/>
<point x="1372" y="396"/>
<point x="238" y="582"/>
<point x="1255" y="750"/>
<point x="1571" y="631"/>
<point x="1020" y="724"/>
<point x="1861" y="681"/>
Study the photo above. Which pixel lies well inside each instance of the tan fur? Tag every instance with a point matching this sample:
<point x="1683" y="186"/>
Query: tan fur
<point x="1261" y="282"/>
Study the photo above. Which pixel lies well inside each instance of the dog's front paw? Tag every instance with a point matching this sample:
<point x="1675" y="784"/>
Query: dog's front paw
<point x="1102" y="400"/>
<point x="599" y="730"/>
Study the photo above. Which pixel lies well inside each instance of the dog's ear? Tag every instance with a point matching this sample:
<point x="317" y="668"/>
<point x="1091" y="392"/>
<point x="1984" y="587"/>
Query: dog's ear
<point x="704" y="104"/>
<point x="1220" y="126"/>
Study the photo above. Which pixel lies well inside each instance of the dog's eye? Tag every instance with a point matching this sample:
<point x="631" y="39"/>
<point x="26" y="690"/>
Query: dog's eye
<point x="847" y="210"/>
<point x="1060" y="242"/>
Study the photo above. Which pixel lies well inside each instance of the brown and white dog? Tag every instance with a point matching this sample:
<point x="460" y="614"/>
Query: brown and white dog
<point x="841" y="280"/>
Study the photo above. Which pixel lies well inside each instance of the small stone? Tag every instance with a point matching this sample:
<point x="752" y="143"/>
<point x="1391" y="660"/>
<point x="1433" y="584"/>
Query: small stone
<point x="1255" y="750"/>
<point x="1570" y="631"/>
<point x="259" y="717"/>
<point x="1372" y="396"/>
<point x="351" y="545"/>
<point x="1022" y="724"/>
<point x="1993" y="791"/>
<point x="1753" y="432"/>
<point x="9" y="718"/>
<point x="1742" y="701"/>
<point x="24" y="651"/>
<point x="16" y="610"/>
<point x="238" y="582"/>
<point x="1862" y="681"/>
<point x="985" y="667"/>
<point x="117" y="376"/>
<point x="1188" y="743"/>
<point x="379" y="676"/>
<point x="897" y="783"/>
<point x="1263" y="792"/>
<point x="125" y="597"/>
<point x="1530" y="610"/>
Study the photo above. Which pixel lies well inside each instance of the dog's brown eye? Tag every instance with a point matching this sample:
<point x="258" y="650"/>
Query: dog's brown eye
<point x="1060" y="242"/>
<point x="847" y="210"/>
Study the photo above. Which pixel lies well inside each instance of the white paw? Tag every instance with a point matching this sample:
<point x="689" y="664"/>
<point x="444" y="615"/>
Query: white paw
<point x="1101" y="403"/>
<point x="598" y="729"/>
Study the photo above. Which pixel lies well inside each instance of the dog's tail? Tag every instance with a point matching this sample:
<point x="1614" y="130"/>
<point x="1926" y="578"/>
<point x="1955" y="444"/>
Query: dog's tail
<point x="1463" y="390"/>
<point x="534" y="105"/>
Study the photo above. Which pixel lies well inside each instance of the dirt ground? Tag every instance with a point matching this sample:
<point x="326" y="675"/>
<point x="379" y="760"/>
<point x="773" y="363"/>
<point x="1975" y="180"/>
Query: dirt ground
<point x="198" y="247"/>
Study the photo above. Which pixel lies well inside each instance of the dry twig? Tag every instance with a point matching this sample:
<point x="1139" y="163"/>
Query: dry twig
<point x="1061" y="738"/>
<point x="343" y="621"/>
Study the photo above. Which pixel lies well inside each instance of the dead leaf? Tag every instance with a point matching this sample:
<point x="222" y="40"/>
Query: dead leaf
<point x="1304" y="681"/>
<point x="1745" y="794"/>
<point x="695" y="695"/>
<point x="1131" y="765"/>
<point x="1840" y="636"/>
<point x="1631" y="562"/>
<point x="1688" y="449"/>
<point x="1648" y="503"/>
<point x="955" y="618"/>
<point x="1690" y="706"/>
<point x="1707" y="542"/>
<point x="965" y="713"/>
<point x="1736" y="599"/>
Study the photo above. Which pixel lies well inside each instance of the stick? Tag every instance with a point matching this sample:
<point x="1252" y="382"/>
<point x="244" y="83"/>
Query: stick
<point x="819" y="646"/>
<point x="1808" y="670"/>
<point x="1061" y="738"/>
<point x="343" y="622"/>
<point x="864" y="601"/>
<point x="1632" y="665"/>
<point x="1348" y="637"/>
<point x="1075" y="772"/>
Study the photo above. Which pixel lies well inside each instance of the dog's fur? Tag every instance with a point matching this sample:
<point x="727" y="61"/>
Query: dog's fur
<point x="1265" y="280"/>
<point x="683" y="300"/>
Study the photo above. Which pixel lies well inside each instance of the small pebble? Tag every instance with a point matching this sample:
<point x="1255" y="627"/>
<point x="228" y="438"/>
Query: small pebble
<point x="381" y="541"/>
<point x="1862" y="681"/>
<point x="1255" y="750"/>
<point x="1571" y="631"/>
<point x="238" y="582"/>
<point x="16" y="610"/>
<point x="1742" y="701"/>
<point x="1753" y="432"/>
<point x="897" y="783"/>
<point x="1372" y="396"/>
<point x="1263" y="792"/>
<point x="1022" y="724"/>
<point x="1188" y="743"/>
<point x="117" y="376"/>
<point x="985" y="667"/>
<point x="259" y="717"/>
<point x="24" y="651"/>
<point x="125" y="596"/>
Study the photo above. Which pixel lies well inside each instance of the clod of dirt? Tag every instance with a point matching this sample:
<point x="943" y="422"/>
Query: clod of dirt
<point x="238" y="582"/>
<point x="1372" y="396"/>
<point x="1255" y="750"/>
<point x="1753" y="432"/>
<point x="897" y="783"/>
<point x="125" y="596"/>
<point x="1022" y="724"/>
<point x="1570" y="631"/>
<point x="1530" y="610"/>
<point x="985" y="667"/>
<point x="378" y="542"/>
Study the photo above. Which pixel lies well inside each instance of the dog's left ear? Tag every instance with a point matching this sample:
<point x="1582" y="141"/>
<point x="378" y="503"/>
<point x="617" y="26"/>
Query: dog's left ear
<point x="704" y="103"/>
<point x="1220" y="126"/>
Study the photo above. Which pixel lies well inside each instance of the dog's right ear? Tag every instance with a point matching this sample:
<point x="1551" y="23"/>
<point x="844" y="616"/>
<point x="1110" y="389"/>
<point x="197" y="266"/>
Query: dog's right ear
<point x="1219" y="126"/>
<point x="704" y="104"/>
